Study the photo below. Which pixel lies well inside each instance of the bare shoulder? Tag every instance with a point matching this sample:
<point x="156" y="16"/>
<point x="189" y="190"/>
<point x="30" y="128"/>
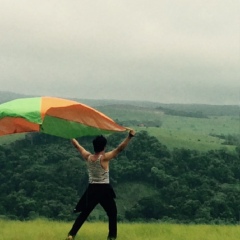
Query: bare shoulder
<point x="110" y="155"/>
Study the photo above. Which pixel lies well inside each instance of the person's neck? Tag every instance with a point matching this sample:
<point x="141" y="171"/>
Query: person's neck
<point x="99" y="153"/>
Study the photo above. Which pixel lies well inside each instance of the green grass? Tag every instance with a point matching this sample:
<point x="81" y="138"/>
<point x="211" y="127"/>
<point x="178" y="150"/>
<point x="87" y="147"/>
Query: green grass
<point x="51" y="230"/>
<point x="132" y="195"/>
<point x="187" y="139"/>
<point x="178" y="131"/>
<point x="216" y="125"/>
<point x="11" y="138"/>
<point x="194" y="133"/>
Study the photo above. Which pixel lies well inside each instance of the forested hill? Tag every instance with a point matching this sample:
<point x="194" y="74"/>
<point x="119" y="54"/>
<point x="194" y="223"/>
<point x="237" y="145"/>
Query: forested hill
<point x="188" y="172"/>
<point x="44" y="176"/>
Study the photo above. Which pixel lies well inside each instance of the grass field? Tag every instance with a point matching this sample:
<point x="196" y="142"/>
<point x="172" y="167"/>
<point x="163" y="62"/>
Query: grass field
<point x="179" y="131"/>
<point x="194" y="133"/>
<point x="52" y="230"/>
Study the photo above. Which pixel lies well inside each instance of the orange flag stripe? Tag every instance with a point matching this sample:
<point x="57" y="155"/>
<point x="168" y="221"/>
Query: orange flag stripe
<point x="10" y="125"/>
<point x="88" y="116"/>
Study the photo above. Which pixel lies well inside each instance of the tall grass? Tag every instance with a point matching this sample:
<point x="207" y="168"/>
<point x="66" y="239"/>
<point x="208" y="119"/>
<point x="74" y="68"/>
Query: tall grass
<point x="44" y="229"/>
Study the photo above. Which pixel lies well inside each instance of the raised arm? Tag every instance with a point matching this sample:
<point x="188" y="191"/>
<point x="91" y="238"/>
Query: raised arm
<point x="109" y="155"/>
<point x="80" y="148"/>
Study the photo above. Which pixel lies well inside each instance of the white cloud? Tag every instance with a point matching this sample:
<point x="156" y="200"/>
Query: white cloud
<point x="159" y="50"/>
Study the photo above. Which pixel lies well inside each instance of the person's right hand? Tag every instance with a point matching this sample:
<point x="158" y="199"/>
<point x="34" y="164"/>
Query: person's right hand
<point x="132" y="133"/>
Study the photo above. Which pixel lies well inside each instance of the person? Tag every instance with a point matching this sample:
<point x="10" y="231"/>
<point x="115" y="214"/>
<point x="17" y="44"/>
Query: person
<point x="99" y="190"/>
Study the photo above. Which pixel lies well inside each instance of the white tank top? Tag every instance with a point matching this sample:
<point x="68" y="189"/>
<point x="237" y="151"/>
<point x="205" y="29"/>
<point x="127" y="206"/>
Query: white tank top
<point x="96" y="173"/>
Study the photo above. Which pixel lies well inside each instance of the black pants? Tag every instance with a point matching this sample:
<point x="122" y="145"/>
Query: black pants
<point x="102" y="194"/>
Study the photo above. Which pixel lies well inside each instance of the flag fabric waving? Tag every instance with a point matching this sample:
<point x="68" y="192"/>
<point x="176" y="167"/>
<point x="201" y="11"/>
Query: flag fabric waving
<point x="55" y="116"/>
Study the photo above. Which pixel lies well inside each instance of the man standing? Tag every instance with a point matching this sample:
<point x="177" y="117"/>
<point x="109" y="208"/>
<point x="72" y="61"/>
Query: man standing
<point x="99" y="190"/>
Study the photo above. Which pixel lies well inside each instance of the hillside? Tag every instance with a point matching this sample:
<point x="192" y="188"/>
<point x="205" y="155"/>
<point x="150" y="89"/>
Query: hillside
<point x="184" y="165"/>
<point x="44" y="177"/>
<point x="200" y="133"/>
<point x="200" y="127"/>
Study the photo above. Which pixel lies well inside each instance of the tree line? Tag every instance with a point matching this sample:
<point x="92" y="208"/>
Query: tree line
<point x="43" y="176"/>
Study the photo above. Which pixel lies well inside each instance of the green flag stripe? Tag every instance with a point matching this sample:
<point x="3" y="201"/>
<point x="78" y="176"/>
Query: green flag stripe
<point x="28" y="108"/>
<point x="68" y="129"/>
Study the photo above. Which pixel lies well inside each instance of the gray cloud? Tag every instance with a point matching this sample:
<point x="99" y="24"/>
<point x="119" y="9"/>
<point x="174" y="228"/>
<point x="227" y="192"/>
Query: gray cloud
<point x="165" y="51"/>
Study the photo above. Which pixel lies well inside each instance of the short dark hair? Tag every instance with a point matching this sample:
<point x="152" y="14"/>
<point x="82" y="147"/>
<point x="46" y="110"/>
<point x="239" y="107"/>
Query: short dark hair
<point x="99" y="143"/>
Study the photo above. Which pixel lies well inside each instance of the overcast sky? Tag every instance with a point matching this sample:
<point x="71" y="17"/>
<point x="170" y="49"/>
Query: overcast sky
<point x="169" y="51"/>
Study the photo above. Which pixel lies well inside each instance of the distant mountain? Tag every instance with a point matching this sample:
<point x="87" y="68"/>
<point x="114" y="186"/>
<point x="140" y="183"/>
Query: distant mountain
<point x="8" y="96"/>
<point x="199" y="110"/>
